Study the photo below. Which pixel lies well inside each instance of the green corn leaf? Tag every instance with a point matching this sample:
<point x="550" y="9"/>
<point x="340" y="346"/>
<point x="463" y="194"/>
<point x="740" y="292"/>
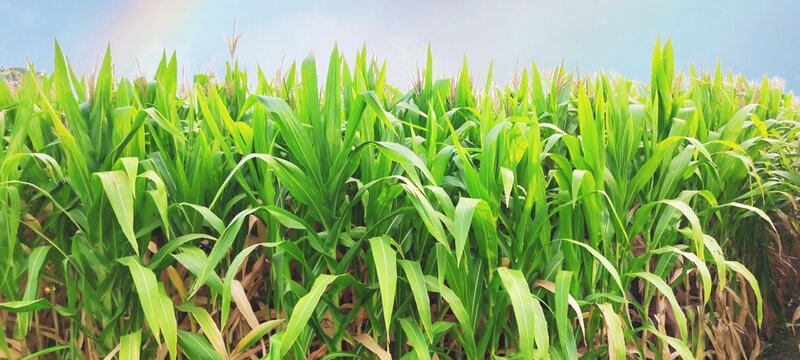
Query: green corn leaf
<point x="196" y="346"/>
<point x="705" y="274"/>
<point x="416" y="281"/>
<point x="23" y="306"/>
<point x="41" y="353"/>
<point x="416" y="338"/>
<point x="603" y="261"/>
<point x="147" y="290"/>
<point x="566" y="336"/>
<point x="130" y="346"/>
<point x="678" y="345"/>
<point x="459" y="310"/>
<point x="195" y="260"/>
<point x="407" y="159"/>
<point x="168" y="322"/>
<point x="220" y="249"/>
<point x="210" y="218"/>
<point x="256" y="334"/>
<point x="386" y="268"/>
<point x="614" y="332"/>
<point x="667" y="292"/>
<point x="120" y="196"/>
<point x="35" y="262"/>
<point x="302" y="313"/>
<point x="208" y="326"/>
<point x="463" y="220"/>
<point x="294" y="133"/>
<point x="528" y="314"/>
<point x="741" y="269"/>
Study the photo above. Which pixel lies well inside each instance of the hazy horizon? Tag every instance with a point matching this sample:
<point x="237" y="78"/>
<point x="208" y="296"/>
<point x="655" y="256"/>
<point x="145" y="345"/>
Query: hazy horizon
<point x="618" y="35"/>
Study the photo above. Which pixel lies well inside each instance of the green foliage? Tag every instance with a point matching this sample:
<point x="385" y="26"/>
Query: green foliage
<point x="554" y="217"/>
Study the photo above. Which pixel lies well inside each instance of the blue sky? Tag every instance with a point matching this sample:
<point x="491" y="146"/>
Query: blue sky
<point x="752" y="37"/>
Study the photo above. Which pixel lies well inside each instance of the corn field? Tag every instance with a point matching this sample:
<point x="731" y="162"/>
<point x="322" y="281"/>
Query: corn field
<point x="552" y="217"/>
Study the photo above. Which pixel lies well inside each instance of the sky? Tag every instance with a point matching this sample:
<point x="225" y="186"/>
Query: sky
<point x="752" y="37"/>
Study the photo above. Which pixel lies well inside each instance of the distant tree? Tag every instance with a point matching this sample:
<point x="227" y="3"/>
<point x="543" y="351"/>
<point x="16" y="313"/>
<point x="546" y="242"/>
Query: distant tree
<point x="12" y="74"/>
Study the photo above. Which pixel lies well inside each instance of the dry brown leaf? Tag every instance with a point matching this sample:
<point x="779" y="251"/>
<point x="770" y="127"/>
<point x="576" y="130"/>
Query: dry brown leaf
<point x="756" y="349"/>
<point x="319" y="353"/>
<point x="373" y="346"/>
<point x="162" y="352"/>
<point x="176" y="281"/>
<point x="112" y="353"/>
<point x="14" y="354"/>
<point x="243" y="304"/>
<point x="795" y="317"/>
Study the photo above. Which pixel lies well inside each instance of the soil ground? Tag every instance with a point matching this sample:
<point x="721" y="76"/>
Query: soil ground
<point x="785" y="346"/>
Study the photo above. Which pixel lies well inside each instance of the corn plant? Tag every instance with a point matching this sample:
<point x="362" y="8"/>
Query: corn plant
<point x="553" y="217"/>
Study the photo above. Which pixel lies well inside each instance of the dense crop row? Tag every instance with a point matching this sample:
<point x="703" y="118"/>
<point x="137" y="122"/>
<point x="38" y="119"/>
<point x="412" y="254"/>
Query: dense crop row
<point x="551" y="217"/>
